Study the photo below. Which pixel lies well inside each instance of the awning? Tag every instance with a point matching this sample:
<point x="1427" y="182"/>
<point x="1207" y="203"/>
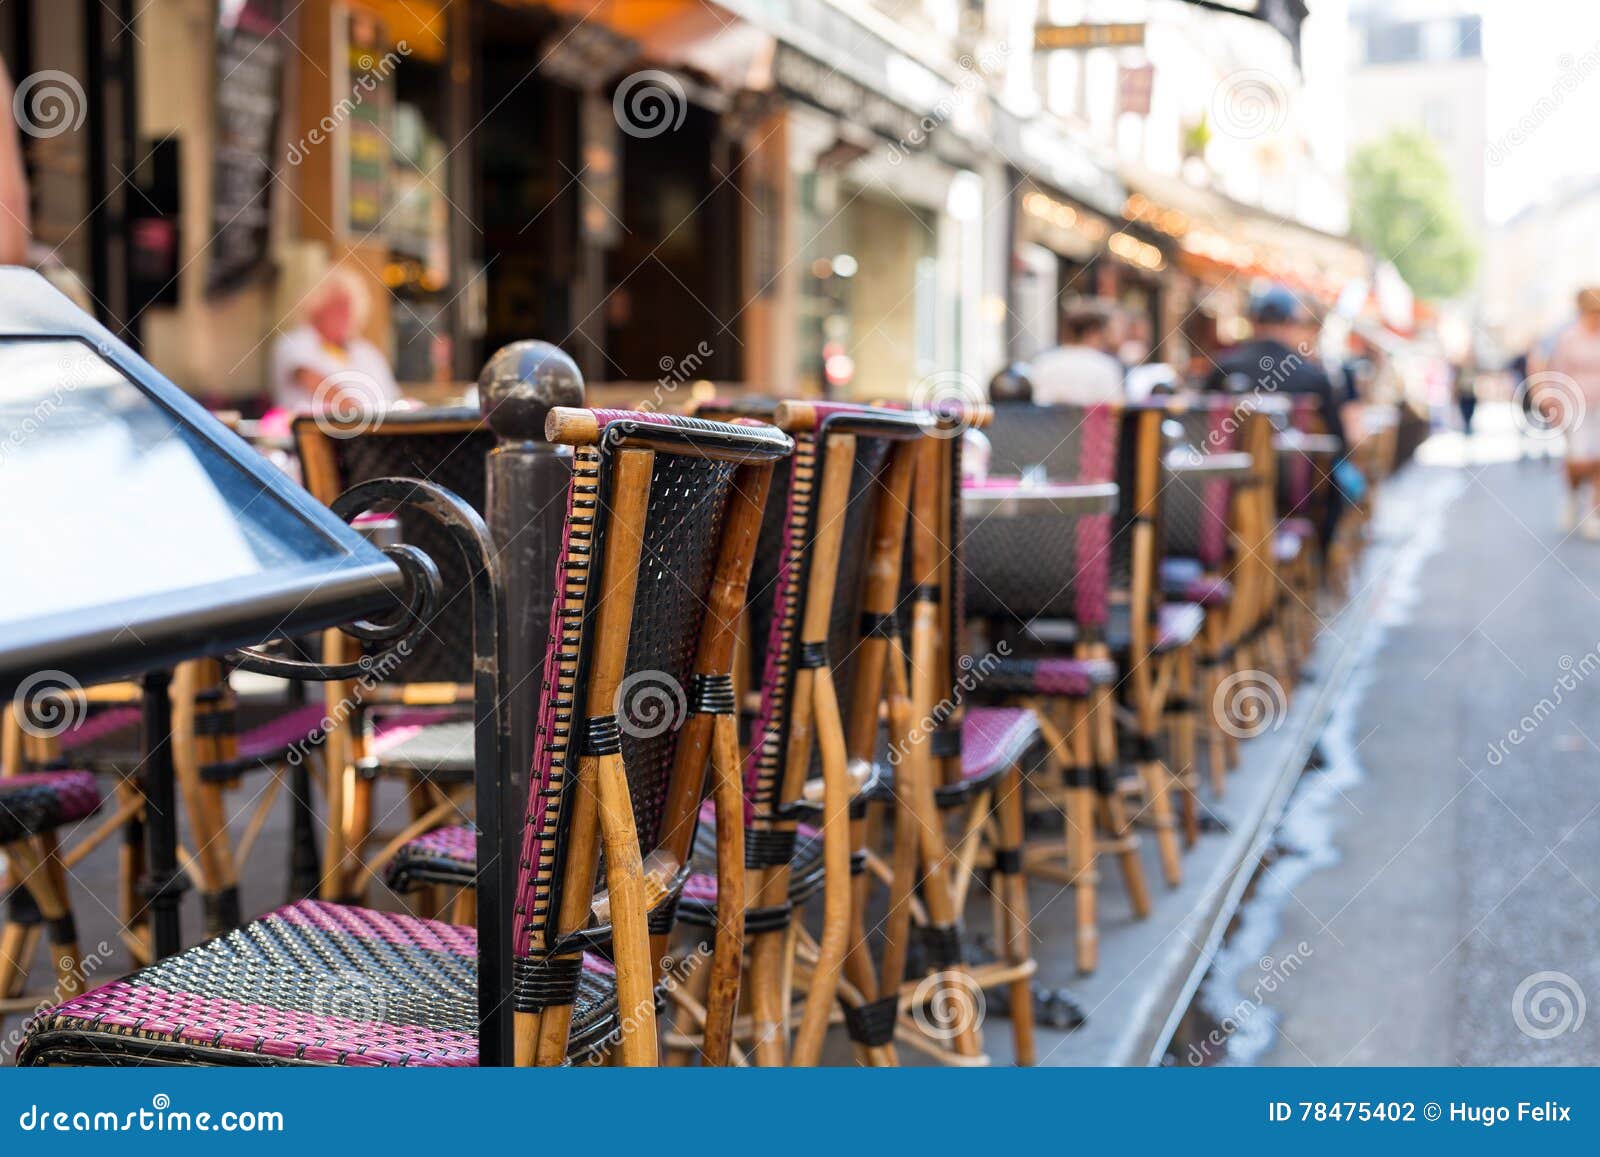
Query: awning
<point x="1219" y="237"/>
<point x="1284" y="15"/>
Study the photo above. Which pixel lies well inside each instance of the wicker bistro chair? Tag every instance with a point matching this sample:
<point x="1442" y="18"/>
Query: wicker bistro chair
<point x="946" y="759"/>
<point x="103" y="719"/>
<point x="701" y="682"/>
<point x="215" y="745"/>
<point x="1082" y="609"/>
<point x="1041" y="586"/>
<point x="811" y="655"/>
<point x="34" y="808"/>
<point x="1218" y="554"/>
<point x="434" y="756"/>
<point x="320" y="984"/>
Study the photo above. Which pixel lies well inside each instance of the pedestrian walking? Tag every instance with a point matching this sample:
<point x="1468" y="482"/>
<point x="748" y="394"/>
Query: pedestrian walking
<point x="1464" y="383"/>
<point x="1570" y="396"/>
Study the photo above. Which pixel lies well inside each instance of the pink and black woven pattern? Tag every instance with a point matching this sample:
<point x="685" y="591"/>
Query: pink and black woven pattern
<point x="37" y="802"/>
<point x="447" y="855"/>
<point x="309" y="984"/>
<point x="1195" y="514"/>
<point x="993" y="740"/>
<point x="1073" y="678"/>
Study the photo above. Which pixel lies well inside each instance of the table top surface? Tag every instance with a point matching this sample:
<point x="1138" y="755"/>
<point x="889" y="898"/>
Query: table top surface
<point x="1187" y="462"/>
<point x="1009" y="498"/>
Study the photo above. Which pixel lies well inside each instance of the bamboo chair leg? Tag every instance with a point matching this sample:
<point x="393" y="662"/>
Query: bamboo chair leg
<point x="1081" y="842"/>
<point x="1156" y="780"/>
<point x="836" y="888"/>
<point x="767" y="949"/>
<point x="32" y="936"/>
<point x="1183" y="725"/>
<point x="1012" y="887"/>
<point x="727" y="953"/>
<point x="630" y="934"/>
<point x="31" y="866"/>
<point x="1102" y="717"/>
<point x="13" y="962"/>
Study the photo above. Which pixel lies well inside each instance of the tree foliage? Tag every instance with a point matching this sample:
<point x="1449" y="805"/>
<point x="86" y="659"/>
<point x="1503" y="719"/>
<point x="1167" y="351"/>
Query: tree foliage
<point x="1405" y="208"/>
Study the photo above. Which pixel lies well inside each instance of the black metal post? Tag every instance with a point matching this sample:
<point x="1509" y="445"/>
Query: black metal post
<point x="164" y="883"/>
<point x="528" y="480"/>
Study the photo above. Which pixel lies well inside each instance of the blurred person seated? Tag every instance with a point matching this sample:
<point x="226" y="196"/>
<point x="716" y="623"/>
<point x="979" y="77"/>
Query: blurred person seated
<point x="323" y="363"/>
<point x="1081" y="371"/>
<point x="1280" y="358"/>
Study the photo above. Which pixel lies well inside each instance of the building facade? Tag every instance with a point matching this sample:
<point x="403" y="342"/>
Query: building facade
<point x="795" y="196"/>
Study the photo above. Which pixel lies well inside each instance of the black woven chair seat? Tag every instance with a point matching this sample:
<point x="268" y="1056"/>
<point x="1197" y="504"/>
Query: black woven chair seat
<point x="37" y="802"/>
<point x="309" y="984"/>
<point x="438" y="751"/>
<point x="699" y="903"/>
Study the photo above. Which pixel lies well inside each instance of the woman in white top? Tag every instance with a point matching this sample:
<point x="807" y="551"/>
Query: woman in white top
<point x="324" y="364"/>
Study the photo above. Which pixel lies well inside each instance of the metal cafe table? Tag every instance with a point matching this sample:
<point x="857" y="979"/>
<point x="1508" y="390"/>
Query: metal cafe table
<point x="138" y="533"/>
<point x="1013" y="497"/>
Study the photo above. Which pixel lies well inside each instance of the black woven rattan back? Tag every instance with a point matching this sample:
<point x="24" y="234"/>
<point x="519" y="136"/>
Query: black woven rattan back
<point x="777" y="599"/>
<point x="449" y="448"/>
<point x="682" y="537"/>
<point x="1047" y="565"/>
<point x="688" y="498"/>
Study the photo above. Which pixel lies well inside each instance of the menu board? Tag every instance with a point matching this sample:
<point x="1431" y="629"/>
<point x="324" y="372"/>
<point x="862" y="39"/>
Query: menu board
<point x="367" y="125"/>
<point x="249" y="79"/>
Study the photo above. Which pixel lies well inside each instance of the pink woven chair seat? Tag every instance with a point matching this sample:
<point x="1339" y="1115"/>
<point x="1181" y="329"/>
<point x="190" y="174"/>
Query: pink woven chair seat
<point x="37" y="802"/>
<point x="98" y="726"/>
<point x="994" y="738"/>
<point x="1186" y="580"/>
<point x="1287" y="547"/>
<point x="309" y="984"/>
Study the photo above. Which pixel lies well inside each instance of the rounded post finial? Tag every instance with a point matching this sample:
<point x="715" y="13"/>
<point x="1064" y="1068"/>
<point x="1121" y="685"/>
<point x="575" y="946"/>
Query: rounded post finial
<point x="522" y="382"/>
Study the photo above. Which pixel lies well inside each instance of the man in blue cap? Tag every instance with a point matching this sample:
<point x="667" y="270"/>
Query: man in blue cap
<point x="1280" y="358"/>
